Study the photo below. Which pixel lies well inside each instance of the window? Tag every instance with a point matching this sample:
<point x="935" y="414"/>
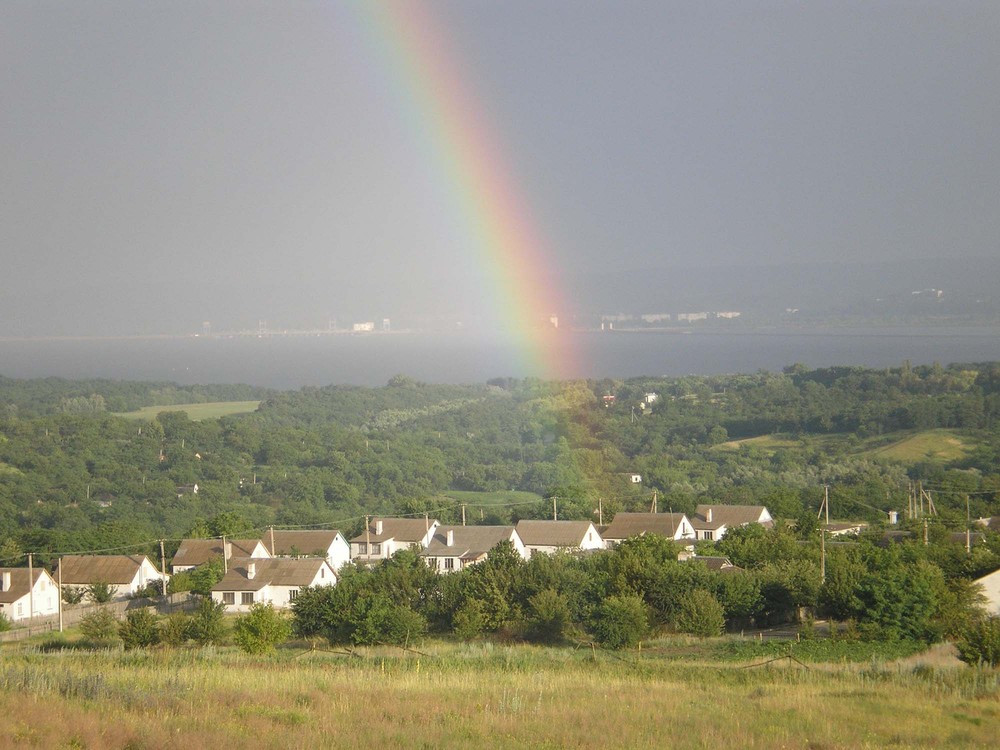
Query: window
<point x="376" y="549"/>
<point x="322" y="573"/>
<point x="20" y="608"/>
<point x="708" y="535"/>
<point x="362" y="548"/>
<point x="229" y="598"/>
<point x="246" y="597"/>
<point x="292" y="594"/>
<point x="449" y="563"/>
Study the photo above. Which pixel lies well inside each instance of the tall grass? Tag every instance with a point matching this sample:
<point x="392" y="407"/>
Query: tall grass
<point x="486" y="695"/>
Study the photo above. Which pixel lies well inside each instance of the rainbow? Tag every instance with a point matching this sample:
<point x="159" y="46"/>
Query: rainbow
<point x="487" y="202"/>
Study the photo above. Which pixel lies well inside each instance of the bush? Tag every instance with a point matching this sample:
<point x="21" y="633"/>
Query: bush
<point x="176" y="629"/>
<point x="73" y="594"/>
<point x="622" y="621"/>
<point x="207" y="625"/>
<point x="5" y="623"/>
<point x="149" y="591"/>
<point x="101" y="592"/>
<point x="261" y="629"/>
<point x="139" y="629"/>
<point x="700" y="614"/>
<point x="99" y="627"/>
<point x="548" y="616"/>
<point x="981" y="643"/>
<point x="377" y="620"/>
<point x="468" y="621"/>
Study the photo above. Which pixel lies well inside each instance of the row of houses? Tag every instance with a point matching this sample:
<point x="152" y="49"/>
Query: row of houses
<point x="275" y="567"/>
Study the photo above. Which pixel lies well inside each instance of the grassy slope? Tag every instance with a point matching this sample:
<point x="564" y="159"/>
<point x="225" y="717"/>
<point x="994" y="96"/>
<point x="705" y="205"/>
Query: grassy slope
<point x="933" y="445"/>
<point x="452" y="696"/>
<point x="906" y="447"/>
<point x="196" y="412"/>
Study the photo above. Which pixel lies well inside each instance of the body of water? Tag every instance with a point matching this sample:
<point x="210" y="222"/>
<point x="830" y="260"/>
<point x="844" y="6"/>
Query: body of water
<point x="295" y="361"/>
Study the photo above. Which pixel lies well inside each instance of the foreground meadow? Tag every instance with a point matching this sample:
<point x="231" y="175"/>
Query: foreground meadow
<point x="457" y="696"/>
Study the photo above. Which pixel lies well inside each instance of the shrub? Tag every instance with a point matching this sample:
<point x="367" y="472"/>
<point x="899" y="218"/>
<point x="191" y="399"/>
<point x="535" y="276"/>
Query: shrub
<point x="139" y="629"/>
<point x="207" y="625"/>
<point x="700" y="614"/>
<point x="101" y="592"/>
<point x="5" y="623"/>
<point x="548" y="616"/>
<point x="99" y="627"/>
<point x="205" y="576"/>
<point x="468" y="621"/>
<point x="261" y="629"/>
<point x="981" y="643"/>
<point x="149" y="591"/>
<point x="73" y="594"/>
<point x="175" y="630"/>
<point x="377" y="620"/>
<point x="621" y="621"/>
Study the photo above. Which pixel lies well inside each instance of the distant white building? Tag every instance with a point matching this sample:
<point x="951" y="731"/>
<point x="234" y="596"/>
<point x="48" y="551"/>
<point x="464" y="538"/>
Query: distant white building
<point x="554" y="536"/>
<point x="692" y="317"/>
<point x="127" y="574"/>
<point x="366" y="327"/>
<point x="18" y="601"/>
<point x="384" y="537"/>
<point x="456" y="547"/>
<point x="276" y="580"/>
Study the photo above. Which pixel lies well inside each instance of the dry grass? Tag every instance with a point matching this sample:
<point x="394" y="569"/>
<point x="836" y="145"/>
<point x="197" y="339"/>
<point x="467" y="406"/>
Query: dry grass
<point x="481" y="696"/>
<point x="929" y="445"/>
<point x="196" y="412"/>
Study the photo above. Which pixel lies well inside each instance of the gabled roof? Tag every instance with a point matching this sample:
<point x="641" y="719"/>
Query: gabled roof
<point x="553" y="533"/>
<point x="195" y="552"/>
<point x="304" y="541"/>
<point x="87" y="569"/>
<point x="713" y="562"/>
<point x="468" y="543"/>
<point x="18" y="583"/>
<point x="272" y="571"/>
<point x="406" y="530"/>
<point x="726" y="515"/>
<point x="626" y="525"/>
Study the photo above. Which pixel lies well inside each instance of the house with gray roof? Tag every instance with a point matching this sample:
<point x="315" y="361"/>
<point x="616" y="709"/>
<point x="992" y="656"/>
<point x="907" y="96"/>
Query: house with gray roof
<point x="127" y="574"/>
<point x="277" y="580"/>
<point x="194" y="552"/>
<point x="675" y="526"/>
<point x="384" y="537"/>
<point x="711" y="522"/>
<point x="457" y="547"/>
<point x="550" y="537"/>
<point x="19" y="601"/>
<point x="329" y="544"/>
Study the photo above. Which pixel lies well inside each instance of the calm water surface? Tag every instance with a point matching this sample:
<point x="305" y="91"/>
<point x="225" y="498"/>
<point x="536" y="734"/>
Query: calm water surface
<point x="292" y="362"/>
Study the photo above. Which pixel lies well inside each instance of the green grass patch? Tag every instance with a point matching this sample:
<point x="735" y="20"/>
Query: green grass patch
<point x="196" y="412"/>
<point x="483" y="499"/>
<point x="930" y="445"/>
<point x="10" y="470"/>
<point x="815" y="651"/>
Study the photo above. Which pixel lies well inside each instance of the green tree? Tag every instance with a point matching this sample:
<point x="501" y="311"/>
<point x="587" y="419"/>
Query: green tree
<point x="175" y="630"/>
<point x="139" y="629"/>
<point x="101" y="592"/>
<point x="621" y="621"/>
<point x="99" y="626"/>
<point x="981" y="642"/>
<point x="261" y="629"/>
<point x="700" y="614"/>
<point x="208" y="622"/>
<point x="548" y="616"/>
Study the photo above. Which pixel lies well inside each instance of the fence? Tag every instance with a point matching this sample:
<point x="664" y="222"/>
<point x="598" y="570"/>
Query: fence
<point x="73" y="613"/>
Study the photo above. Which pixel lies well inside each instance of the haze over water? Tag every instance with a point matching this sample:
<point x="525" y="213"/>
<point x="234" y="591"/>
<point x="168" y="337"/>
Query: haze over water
<point x="293" y="362"/>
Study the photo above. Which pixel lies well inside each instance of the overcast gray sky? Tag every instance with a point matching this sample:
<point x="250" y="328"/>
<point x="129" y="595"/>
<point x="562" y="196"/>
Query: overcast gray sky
<point x="168" y="162"/>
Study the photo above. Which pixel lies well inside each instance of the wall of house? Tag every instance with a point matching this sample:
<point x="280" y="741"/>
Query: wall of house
<point x="339" y="554"/>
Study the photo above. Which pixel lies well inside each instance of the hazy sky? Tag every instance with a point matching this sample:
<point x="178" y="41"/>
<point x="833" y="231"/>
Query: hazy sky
<point x="168" y="162"/>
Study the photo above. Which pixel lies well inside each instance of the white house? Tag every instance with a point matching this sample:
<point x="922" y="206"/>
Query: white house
<point x="711" y="522"/>
<point x="276" y="580"/>
<point x="674" y="526"/>
<point x="552" y="536"/>
<point x="194" y="552"/>
<point x="456" y="547"/>
<point x="126" y="573"/>
<point x="990" y="584"/>
<point x="384" y="537"/>
<point x="17" y="602"/>
<point x="329" y="544"/>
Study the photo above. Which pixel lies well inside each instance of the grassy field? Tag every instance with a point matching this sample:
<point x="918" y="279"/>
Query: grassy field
<point x="929" y="445"/>
<point x="196" y="412"/>
<point x="486" y="696"/>
<point x="481" y="499"/>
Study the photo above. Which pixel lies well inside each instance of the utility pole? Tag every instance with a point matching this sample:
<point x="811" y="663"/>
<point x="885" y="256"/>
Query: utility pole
<point x="163" y="567"/>
<point x="225" y="557"/>
<point x="653" y="506"/>
<point x="822" y="555"/>
<point x="826" y="502"/>
<point x="968" y="535"/>
<point x="271" y="530"/>
<point x="368" y="535"/>
<point x="59" y="589"/>
<point x="31" y="590"/>
<point x="600" y="511"/>
<point x="463" y="514"/>
<point x="555" y="511"/>
<point x="925" y="532"/>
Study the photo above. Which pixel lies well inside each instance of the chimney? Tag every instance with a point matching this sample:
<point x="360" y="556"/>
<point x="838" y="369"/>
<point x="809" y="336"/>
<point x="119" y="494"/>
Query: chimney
<point x="378" y="526"/>
<point x="708" y="515"/>
<point x="251" y="570"/>
<point x="451" y="538"/>
<point x="5" y="582"/>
